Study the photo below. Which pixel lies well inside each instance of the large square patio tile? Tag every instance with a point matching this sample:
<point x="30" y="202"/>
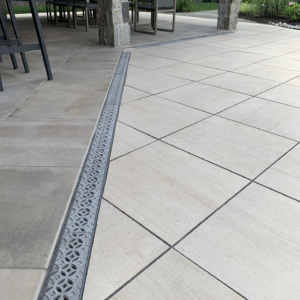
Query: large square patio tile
<point x="267" y="115"/>
<point x="32" y="201"/>
<point x="205" y="97"/>
<point x="167" y="190"/>
<point x="251" y="244"/>
<point x="46" y="103"/>
<point x="157" y="116"/>
<point x="60" y="142"/>
<point x="284" y="176"/>
<point x="295" y="81"/>
<point x="175" y="277"/>
<point x="239" y="148"/>
<point x="284" y="93"/>
<point x="127" y="139"/>
<point x="131" y="94"/>
<point x="121" y="249"/>
<point x="20" y="284"/>
<point x="244" y="56"/>
<point x="241" y="83"/>
<point x="154" y="82"/>
<point x="178" y="55"/>
<point x="190" y="72"/>
<point x="268" y="72"/>
<point x="220" y="63"/>
<point x="150" y="62"/>
<point x="282" y="63"/>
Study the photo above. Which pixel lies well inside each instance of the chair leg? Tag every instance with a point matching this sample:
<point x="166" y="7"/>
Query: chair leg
<point x="69" y="16"/>
<point x="47" y="12"/>
<point x="50" y="12"/>
<point x="55" y="14"/>
<point x="86" y="19"/>
<point x="75" y="17"/>
<point x="1" y="85"/>
<point x="38" y="28"/>
<point x="17" y="34"/>
<point x="135" y="19"/>
<point x="155" y="22"/>
<point x="6" y="36"/>
<point x="173" y="25"/>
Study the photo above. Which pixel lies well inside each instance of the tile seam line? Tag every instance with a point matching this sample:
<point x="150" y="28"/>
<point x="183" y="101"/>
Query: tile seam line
<point x="101" y="141"/>
<point x="174" y="245"/>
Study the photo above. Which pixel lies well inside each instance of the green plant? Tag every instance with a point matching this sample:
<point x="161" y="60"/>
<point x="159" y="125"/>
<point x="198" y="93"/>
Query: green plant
<point x="184" y="5"/>
<point x="271" y="8"/>
<point x="292" y="11"/>
<point x="248" y="8"/>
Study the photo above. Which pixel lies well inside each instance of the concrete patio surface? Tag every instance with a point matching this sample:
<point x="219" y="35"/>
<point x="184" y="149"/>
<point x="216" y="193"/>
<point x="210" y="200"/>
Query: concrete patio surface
<point x="202" y="196"/>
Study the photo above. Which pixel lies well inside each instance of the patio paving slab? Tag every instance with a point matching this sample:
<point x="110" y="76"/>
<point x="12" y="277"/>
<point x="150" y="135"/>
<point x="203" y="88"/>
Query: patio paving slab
<point x="190" y="71"/>
<point x="175" y="277"/>
<point x="208" y="98"/>
<point x="127" y="139"/>
<point x="220" y="63"/>
<point x="26" y="238"/>
<point x="245" y="56"/>
<point x="27" y="142"/>
<point x="267" y="115"/>
<point x="47" y="103"/>
<point x="151" y="62"/>
<point x="284" y="93"/>
<point x="239" y="148"/>
<point x="284" y="176"/>
<point x="131" y="94"/>
<point x="279" y="62"/>
<point x="132" y="247"/>
<point x="268" y="72"/>
<point x="251" y="244"/>
<point x="154" y="82"/>
<point x="241" y="83"/>
<point x="158" y="117"/>
<point x="20" y="284"/>
<point x="183" y="192"/>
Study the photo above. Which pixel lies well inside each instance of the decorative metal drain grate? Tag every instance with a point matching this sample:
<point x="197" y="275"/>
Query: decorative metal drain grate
<point x="179" y="40"/>
<point x="69" y="264"/>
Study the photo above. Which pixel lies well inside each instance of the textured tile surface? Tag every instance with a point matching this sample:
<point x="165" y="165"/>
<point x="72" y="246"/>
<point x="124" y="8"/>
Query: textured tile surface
<point x="167" y="190"/>
<point x="154" y="82"/>
<point x="175" y="277"/>
<point x="251" y="244"/>
<point x="157" y="116"/>
<point x="270" y="116"/>
<point x="128" y="139"/>
<point x="284" y="176"/>
<point x="121" y="249"/>
<point x="239" y="148"/>
<point x="41" y="194"/>
<point x="208" y="98"/>
<point x="241" y="83"/>
<point x="19" y="284"/>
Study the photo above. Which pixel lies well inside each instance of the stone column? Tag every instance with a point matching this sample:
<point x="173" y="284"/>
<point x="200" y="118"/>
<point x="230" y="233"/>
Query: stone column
<point x="228" y="14"/>
<point x="2" y="5"/>
<point x="114" y="29"/>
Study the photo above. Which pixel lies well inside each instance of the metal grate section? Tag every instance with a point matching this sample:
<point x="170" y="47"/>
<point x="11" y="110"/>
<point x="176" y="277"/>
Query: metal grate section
<point x="68" y="268"/>
<point x="179" y="40"/>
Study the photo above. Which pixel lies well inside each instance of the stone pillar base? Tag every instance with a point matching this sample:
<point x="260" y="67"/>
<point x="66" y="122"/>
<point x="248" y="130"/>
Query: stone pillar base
<point x="228" y="14"/>
<point x="114" y="29"/>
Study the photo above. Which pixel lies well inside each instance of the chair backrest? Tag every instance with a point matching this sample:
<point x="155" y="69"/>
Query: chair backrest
<point x="166" y="3"/>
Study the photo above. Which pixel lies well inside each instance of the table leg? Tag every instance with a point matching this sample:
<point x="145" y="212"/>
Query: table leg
<point x="38" y="28"/>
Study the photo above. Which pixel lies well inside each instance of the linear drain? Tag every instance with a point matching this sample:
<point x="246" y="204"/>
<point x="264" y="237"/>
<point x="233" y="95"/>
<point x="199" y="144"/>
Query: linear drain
<point x="180" y="40"/>
<point x="69" y="264"/>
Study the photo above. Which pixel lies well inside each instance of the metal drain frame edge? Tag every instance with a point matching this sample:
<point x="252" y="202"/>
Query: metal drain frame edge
<point x="69" y="263"/>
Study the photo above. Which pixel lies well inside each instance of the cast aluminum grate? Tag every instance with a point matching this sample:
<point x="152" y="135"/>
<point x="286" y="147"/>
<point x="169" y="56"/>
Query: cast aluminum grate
<point x="69" y="264"/>
<point x="180" y="40"/>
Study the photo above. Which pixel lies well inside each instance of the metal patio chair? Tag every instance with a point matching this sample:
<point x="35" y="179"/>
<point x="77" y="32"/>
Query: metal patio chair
<point x="11" y="47"/>
<point x="162" y="6"/>
<point x="87" y="7"/>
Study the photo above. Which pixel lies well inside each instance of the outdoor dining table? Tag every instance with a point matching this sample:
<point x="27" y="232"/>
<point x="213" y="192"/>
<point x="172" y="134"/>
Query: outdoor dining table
<point x="16" y="46"/>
